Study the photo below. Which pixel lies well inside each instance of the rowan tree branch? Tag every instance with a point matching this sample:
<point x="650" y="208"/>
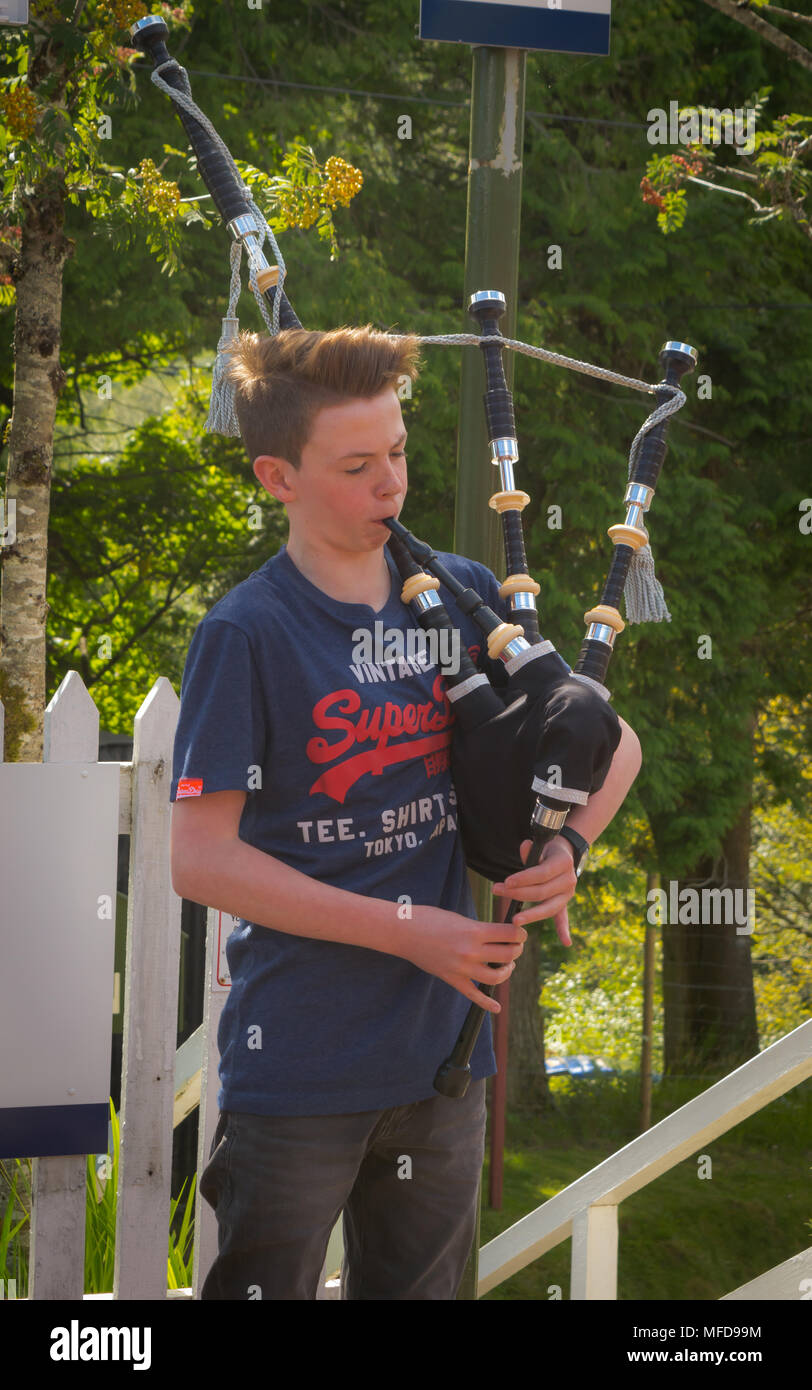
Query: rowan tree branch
<point x="744" y="15"/>
<point x="738" y="173"/>
<point x="723" y="188"/>
<point x="791" y="14"/>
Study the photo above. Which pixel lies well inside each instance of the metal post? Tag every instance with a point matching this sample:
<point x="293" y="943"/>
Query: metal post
<point x="647" y="1047"/>
<point x="491" y="263"/>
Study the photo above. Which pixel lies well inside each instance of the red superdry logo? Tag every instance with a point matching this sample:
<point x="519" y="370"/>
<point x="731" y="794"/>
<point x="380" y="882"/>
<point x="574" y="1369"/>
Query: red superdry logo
<point x="189" y="786"/>
<point x="387" y="721"/>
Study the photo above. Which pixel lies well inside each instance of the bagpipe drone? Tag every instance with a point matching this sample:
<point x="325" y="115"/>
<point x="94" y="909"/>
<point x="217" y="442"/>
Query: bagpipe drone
<point x="525" y="752"/>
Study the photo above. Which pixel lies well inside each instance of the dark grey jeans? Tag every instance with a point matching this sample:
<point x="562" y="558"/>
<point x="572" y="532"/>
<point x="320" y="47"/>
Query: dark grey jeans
<point x="406" y="1179"/>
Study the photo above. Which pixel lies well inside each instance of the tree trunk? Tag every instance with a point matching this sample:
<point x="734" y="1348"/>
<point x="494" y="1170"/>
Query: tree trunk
<point x="709" y="1004"/>
<point x="38" y="380"/>
<point x="527" y="1087"/>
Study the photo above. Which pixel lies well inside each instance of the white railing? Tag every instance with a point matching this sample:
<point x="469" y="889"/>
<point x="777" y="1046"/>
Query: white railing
<point x="587" y="1209"/>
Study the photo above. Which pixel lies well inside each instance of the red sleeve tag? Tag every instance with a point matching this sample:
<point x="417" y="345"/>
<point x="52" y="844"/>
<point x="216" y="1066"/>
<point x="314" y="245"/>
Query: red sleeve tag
<point x="189" y="786"/>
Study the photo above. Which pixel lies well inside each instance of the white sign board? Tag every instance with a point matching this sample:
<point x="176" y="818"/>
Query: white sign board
<point x="58" y="868"/>
<point x="556" y="26"/>
<point x="13" y="11"/>
<point x="226" y="924"/>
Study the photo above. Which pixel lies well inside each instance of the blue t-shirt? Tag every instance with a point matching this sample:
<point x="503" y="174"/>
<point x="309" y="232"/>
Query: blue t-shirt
<point x="345" y="763"/>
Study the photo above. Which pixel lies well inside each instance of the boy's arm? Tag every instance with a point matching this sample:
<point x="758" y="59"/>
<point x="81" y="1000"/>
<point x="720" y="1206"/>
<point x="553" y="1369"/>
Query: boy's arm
<point x="222" y="732"/>
<point x="211" y="865"/>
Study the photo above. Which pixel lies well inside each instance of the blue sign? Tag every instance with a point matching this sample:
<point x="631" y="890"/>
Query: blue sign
<point x="557" y="26"/>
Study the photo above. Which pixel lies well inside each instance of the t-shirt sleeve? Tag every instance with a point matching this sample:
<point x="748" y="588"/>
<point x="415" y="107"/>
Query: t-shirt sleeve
<point x="222" y="729"/>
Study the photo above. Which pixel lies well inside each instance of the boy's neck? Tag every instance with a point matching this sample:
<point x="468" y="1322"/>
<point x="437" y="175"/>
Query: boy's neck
<point x="361" y="578"/>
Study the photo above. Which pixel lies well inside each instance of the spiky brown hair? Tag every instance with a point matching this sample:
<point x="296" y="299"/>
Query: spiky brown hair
<point x="282" y="381"/>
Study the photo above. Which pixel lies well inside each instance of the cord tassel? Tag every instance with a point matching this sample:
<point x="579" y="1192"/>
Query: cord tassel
<point x="645" y="600"/>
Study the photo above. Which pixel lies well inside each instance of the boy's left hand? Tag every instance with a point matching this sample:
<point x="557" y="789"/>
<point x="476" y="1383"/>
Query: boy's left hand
<point x="549" y="885"/>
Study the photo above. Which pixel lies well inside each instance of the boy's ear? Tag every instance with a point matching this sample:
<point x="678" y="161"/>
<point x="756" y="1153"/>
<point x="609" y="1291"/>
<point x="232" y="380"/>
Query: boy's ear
<point x="276" y="476"/>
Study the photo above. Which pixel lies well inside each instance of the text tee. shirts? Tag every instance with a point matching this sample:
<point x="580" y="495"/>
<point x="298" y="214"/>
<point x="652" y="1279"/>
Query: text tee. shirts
<point x="345" y="762"/>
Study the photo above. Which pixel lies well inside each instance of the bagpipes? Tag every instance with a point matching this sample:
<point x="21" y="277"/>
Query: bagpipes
<point x="525" y="752"/>
<point x="508" y="742"/>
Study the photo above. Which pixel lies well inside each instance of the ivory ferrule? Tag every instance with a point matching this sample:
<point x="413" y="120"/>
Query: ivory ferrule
<point x="417" y="584"/>
<point x="627" y="534"/>
<point x="603" y="613"/>
<point x="519" y="584"/>
<point x="510" y="501"/>
<point x="503" y="641"/>
<point x="267" y="278"/>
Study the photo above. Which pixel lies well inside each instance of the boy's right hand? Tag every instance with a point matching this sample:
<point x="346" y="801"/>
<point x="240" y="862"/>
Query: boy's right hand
<point x="460" y="951"/>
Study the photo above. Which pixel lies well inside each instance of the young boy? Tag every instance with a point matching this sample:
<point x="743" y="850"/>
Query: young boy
<point x="313" y="800"/>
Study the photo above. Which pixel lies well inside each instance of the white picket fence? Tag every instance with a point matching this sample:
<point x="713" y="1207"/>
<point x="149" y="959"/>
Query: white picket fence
<point x="56" y="1258"/>
<point x="162" y="1084"/>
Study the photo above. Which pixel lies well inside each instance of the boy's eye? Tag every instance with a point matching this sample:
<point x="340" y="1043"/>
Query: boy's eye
<point x="398" y="454"/>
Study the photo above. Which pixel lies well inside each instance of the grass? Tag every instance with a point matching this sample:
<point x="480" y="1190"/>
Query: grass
<point x="683" y="1236"/>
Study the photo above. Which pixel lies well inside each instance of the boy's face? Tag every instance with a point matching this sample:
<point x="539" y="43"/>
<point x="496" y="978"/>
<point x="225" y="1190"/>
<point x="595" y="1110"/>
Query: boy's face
<point x="352" y="473"/>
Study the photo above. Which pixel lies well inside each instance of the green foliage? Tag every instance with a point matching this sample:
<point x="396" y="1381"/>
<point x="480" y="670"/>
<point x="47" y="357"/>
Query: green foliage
<point x="672" y="216"/>
<point x="306" y="193"/>
<point x="782" y="852"/>
<point x="57" y="78"/>
<point x="732" y="479"/>
<point x="141" y="546"/>
<point x="144" y="541"/>
<point x="775" y="180"/>
<point x="592" y="999"/>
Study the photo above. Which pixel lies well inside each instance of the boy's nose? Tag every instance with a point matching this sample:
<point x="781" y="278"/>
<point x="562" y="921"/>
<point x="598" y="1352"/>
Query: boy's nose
<point x="392" y="480"/>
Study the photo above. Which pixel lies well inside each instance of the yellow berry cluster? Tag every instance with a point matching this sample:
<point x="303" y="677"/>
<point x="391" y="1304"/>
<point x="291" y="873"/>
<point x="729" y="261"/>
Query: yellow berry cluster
<point x="19" y="107"/>
<point x="162" y="195"/>
<point x="301" y="210"/>
<point x="342" y="181"/>
<point x="122" y="13"/>
<point x="300" y="207"/>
